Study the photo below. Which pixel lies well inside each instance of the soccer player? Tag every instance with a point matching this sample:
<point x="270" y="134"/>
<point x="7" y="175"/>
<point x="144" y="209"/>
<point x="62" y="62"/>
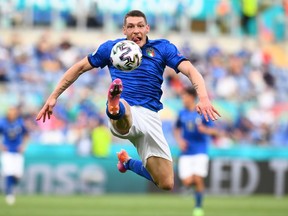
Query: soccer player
<point x="15" y="137"/>
<point x="134" y="98"/>
<point x="193" y="134"/>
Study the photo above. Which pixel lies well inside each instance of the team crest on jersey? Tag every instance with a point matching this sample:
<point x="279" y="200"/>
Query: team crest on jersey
<point x="150" y="52"/>
<point x="190" y="125"/>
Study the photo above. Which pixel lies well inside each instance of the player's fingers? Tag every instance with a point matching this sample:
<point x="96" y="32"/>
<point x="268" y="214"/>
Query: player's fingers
<point x="198" y="110"/>
<point x="205" y="114"/>
<point x="212" y="116"/>
<point x="49" y="113"/>
<point x="215" y="111"/>
<point x="42" y="113"/>
<point x="44" y="116"/>
<point x="39" y="116"/>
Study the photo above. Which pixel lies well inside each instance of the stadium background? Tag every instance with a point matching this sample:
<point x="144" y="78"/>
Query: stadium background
<point x="245" y="68"/>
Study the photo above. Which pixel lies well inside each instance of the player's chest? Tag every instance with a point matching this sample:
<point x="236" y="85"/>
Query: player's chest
<point x="189" y="122"/>
<point x="152" y="56"/>
<point x="13" y="130"/>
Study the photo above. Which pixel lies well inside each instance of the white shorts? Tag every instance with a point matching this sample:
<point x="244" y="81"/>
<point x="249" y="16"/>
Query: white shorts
<point x="12" y="164"/>
<point x="146" y="134"/>
<point x="189" y="165"/>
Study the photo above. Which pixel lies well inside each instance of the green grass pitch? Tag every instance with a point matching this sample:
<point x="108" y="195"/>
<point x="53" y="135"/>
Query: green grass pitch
<point x="143" y="205"/>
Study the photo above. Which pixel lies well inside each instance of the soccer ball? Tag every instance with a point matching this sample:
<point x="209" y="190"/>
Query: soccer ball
<point x="126" y="55"/>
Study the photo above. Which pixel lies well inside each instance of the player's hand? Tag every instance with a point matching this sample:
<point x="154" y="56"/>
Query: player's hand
<point x="21" y="149"/>
<point x="3" y="148"/>
<point x="201" y="128"/>
<point x="205" y="108"/>
<point x="182" y="145"/>
<point x="47" y="109"/>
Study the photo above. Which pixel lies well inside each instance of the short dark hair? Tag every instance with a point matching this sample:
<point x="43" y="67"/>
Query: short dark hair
<point x="135" y="13"/>
<point x="190" y="91"/>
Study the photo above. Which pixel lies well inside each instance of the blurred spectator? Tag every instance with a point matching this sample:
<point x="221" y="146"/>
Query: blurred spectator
<point x="101" y="140"/>
<point x="24" y="66"/>
<point x="246" y="80"/>
<point x="45" y="53"/>
<point x="279" y="137"/>
<point x="4" y="65"/>
<point x="235" y="84"/>
<point x="285" y="7"/>
<point x="223" y="12"/>
<point x="215" y="68"/>
<point x="249" y="12"/>
<point x="67" y="53"/>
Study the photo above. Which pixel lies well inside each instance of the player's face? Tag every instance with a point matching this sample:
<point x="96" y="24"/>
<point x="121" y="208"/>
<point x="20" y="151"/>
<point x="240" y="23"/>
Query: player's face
<point x="136" y="30"/>
<point x="188" y="100"/>
<point x="12" y="114"/>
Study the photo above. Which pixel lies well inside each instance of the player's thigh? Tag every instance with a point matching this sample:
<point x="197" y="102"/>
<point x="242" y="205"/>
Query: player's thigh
<point x="135" y="128"/>
<point x="198" y="179"/>
<point x="161" y="171"/>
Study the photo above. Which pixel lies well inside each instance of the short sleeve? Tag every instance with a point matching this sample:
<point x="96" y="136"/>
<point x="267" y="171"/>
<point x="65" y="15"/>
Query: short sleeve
<point x="24" y="128"/>
<point x="1" y="126"/>
<point x="173" y="56"/>
<point x="101" y="57"/>
<point x="178" y="122"/>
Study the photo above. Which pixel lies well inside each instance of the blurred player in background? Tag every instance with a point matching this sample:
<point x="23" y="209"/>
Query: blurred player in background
<point x="15" y="136"/>
<point x="134" y="98"/>
<point x="193" y="134"/>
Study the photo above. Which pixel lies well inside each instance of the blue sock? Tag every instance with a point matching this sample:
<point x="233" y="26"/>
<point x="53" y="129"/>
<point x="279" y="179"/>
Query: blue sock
<point x="119" y="115"/>
<point x="9" y="184"/>
<point x="137" y="167"/>
<point x="198" y="199"/>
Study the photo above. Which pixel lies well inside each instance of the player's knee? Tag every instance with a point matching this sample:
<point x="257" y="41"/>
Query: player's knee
<point x="198" y="180"/>
<point x="166" y="185"/>
<point x="187" y="182"/>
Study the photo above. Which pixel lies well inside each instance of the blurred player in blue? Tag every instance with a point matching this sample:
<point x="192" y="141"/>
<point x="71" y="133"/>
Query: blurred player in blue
<point x="134" y="98"/>
<point x="15" y="136"/>
<point x="193" y="134"/>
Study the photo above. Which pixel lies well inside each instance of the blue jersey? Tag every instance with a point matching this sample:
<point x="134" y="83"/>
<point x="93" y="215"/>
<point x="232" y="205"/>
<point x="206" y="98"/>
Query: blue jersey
<point x="197" y="142"/>
<point x="13" y="133"/>
<point x="142" y="86"/>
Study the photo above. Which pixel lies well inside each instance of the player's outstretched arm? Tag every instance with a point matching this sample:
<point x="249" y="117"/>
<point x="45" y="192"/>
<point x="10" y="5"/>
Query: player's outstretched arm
<point x="67" y="79"/>
<point x="204" y="106"/>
